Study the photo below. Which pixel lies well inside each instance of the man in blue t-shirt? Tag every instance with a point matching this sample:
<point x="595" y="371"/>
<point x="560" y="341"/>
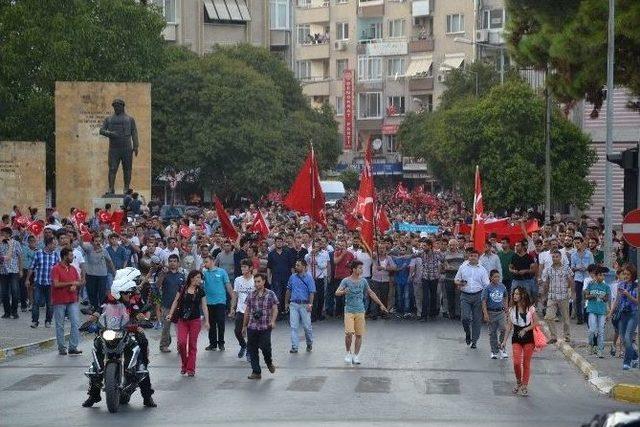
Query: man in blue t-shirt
<point x="301" y="290"/>
<point x="217" y="288"/>
<point x="494" y="307"/>
<point x="353" y="288"/>
<point x="169" y="283"/>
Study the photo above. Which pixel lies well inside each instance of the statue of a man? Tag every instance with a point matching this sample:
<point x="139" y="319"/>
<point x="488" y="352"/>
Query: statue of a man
<point x="121" y="131"/>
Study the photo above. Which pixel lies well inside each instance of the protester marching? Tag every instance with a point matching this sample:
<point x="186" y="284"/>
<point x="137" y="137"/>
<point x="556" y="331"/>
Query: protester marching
<point x="390" y="254"/>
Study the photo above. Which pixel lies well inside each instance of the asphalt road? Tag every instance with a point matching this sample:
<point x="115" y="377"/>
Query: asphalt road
<point x="411" y="373"/>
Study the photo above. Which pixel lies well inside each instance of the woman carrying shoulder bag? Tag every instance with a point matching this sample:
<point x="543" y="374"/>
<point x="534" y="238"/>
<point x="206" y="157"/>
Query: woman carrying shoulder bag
<point x="522" y="320"/>
<point x="187" y="308"/>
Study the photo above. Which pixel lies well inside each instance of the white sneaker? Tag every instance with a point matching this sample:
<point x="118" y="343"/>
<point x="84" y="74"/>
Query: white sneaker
<point x="356" y="361"/>
<point x="504" y="354"/>
<point x="348" y="358"/>
<point x="494" y="356"/>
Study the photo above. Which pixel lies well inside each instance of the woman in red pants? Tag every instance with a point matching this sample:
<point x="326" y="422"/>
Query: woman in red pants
<point x="522" y="319"/>
<point x="187" y="308"/>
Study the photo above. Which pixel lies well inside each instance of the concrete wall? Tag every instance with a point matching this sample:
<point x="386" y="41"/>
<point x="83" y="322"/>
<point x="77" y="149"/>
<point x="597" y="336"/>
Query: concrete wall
<point x="22" y="176"/>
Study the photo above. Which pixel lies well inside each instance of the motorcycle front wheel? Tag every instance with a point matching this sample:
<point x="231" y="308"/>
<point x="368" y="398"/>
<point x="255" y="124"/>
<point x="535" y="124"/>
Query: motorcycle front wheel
<point x="112" y="386"/>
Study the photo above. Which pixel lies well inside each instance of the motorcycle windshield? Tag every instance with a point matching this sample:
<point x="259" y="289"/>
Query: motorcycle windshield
<point x="115" y="316"/>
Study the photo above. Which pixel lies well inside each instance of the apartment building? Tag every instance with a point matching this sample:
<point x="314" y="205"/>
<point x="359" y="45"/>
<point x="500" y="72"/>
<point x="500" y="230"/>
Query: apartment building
<point x="200" y="25"/>
<point x="396" y="54"/>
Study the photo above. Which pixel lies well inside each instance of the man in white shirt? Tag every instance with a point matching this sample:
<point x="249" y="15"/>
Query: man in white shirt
<point x="489" y="260"/>
<point x="471" y="279"/>
<point x="242" y="287"/>
<point x="171" y="249"/>
<point x="318" y="262"/>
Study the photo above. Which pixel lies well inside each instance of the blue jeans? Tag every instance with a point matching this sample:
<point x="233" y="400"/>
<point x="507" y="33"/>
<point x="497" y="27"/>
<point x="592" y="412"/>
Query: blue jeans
<point x="298" y="314"/>
<point x="596" y="328"/>
<point x="529" y="284"/>
<point x="41" y="297"/>
<point x="97" y="289"/>
<point x="10" y="291"/>
<point x="403" y="296"/>
<point x="73" y="311"/>
<point x="628" y="324"/>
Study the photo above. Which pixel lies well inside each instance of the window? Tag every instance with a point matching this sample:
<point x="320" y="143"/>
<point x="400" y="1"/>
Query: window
<point x="304" y="3"/>
<point x="455" y="23"/>
<point x="341" y="1"/>
<point x="493" y="19"/>
<point x="369" y="68"/>
<point x="279" y="14"/>
<point x="395" y="67"/>
<point x="303" y="31"/>
<point x="168" y="8"/>
<point x="341" y="65"/>
<point x="392" y="143"/>
<point x="339" y="106"/>
<point x="369" y="105"/>
<point x="395" y="105"/>
<point x="372" y="31"/>
<point x="303" y="70"/>
<point x="342" y="31"/>
<point x="396" y="28"/>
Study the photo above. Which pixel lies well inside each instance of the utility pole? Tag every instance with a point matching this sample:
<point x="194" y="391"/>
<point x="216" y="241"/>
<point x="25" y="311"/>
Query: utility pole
<point x="547" y="151"/>
<point x="608" y="205"/>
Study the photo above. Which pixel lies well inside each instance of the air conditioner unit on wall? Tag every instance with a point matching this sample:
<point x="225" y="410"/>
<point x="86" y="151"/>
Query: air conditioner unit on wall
<point x="482" y="36"/>
<point x="340" y="45"/>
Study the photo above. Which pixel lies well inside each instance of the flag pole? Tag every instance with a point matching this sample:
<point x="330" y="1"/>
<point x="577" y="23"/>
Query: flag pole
<point x="473" y="222"/>
<point x="313" y="207"/>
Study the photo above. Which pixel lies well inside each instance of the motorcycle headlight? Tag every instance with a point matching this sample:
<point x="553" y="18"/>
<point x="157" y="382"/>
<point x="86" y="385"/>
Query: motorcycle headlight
<point x="109" y="335"/>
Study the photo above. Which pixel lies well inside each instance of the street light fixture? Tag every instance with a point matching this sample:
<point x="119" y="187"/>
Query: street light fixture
<point x="489" y="46"/>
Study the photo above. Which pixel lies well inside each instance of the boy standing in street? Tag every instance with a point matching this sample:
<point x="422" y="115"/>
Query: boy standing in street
<point x="494" y="307"/>
<point x="598" y="295"/>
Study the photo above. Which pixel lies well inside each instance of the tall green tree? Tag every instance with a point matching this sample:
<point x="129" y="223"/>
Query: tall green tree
<point x="571" y="37"/>
<point x="503" y="133"/>
<point x="42" y="42"/>
<point x="231" y="120"/>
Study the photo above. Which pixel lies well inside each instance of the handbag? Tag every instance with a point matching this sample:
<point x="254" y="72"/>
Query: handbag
<point x="539" y="340"/>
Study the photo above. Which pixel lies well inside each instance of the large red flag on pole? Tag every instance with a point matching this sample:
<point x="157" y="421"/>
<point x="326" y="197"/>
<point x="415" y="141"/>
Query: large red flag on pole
<point x="305" y="195"/>
<point x="227" y="226"/>
<point x="366" y="202"/>
<point x="477" y="233"/>
<point x="382" y="220"/>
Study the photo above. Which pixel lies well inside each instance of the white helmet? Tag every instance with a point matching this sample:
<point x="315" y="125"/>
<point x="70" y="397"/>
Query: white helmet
<point x="124" y="281"/>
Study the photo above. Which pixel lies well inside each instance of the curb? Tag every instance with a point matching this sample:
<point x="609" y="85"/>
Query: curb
<point x="7" y="353"/>
<point x="604" y="385"/>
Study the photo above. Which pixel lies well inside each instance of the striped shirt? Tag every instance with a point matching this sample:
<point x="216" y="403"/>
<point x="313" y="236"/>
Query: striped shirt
<point x="10" y="249"/>
<point x="43" y="263"/>
<point x="558" y="285"/>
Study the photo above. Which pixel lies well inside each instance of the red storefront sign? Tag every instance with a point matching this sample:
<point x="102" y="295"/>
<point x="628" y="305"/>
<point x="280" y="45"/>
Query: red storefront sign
<point x="388" y="129"/>
<point x="347" y="93"/>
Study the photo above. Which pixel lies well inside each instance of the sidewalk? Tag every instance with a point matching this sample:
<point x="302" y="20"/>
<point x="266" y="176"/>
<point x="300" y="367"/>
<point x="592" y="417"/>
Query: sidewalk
<point x="16" y="336"/>
<point x="605" y="374"/>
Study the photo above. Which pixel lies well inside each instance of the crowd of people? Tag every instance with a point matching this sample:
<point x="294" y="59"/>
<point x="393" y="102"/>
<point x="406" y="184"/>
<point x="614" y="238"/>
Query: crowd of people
<point x="305" y="274"/>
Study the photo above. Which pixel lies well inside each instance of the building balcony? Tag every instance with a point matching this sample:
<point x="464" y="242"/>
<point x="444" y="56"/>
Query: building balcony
<point x="170" y="32"/>
<point x="312" y="12"/>
<point x="312" y="51"/>
<point x="316" y="86"/>
<point x="280" y="38"/>
<point x="421" y="84"/>
<point x="421" y="8"/>
<point x="421" y="45"/>
<point x="370" y="8"/>
<point x="380" y="47"/>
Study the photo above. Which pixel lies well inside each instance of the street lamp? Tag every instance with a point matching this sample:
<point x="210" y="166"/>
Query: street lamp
<point x="489" y="46"/>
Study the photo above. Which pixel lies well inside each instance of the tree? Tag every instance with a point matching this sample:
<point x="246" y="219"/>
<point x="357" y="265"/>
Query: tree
<point x="233" y="123"/>
<point x="570" y="36"/>
<point x="350" y="178"/>
<point x="503" y="133"/>
<point x="42" y="42"/>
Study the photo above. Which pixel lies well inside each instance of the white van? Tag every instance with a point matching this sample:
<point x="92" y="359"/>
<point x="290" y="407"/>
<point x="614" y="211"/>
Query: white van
<point x="333" y="191"/>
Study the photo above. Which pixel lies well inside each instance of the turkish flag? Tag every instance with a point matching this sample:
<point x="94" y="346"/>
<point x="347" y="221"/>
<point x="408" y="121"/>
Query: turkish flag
<point x="85" y="233"/>
<point x="402" y="193"/>
<point x="260" y="225"/>
<point x="22" y="221"/>
<point x="366" y="202"/>
<point x="227" y="227"/>
<point x="36" y="227"/>
<point x="104" y="217"/>
<point x="382" y="220"/>
<point x="305" y="195"/>
<point x="478" y="233"/>
<point x="80" y="216"/>
<point x="116" y="221"/>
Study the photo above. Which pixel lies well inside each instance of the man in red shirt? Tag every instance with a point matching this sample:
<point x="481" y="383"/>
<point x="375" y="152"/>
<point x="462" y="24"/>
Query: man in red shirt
<point x="341" y="260"/>
<point x="64" y="298"/>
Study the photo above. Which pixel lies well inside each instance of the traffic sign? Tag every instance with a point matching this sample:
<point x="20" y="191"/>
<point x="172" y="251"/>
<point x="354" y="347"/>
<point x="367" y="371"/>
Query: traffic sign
<point x="631" y="228"/>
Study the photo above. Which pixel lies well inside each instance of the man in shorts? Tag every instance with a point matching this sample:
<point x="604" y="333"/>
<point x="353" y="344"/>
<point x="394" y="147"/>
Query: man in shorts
<point x="353" y="288"/>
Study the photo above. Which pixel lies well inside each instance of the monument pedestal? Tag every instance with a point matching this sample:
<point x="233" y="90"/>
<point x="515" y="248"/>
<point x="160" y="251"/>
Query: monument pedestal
<point x="100" y="202"/>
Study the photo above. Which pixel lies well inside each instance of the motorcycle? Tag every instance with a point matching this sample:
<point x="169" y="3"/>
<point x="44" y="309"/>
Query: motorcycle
<point x="120" y="371"/>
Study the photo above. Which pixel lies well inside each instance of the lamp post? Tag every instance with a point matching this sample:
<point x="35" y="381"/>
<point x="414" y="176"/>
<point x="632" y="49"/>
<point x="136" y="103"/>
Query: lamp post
<point x="608" y="183"/>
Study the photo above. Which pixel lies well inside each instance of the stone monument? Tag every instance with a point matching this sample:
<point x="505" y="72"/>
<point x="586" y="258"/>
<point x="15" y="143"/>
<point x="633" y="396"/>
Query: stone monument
<point x="22" y="176"/>
<point x="86" y="162"/>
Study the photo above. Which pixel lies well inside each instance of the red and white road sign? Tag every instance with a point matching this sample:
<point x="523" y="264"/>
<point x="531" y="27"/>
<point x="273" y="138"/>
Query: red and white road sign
<point x="631" y="228"/>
